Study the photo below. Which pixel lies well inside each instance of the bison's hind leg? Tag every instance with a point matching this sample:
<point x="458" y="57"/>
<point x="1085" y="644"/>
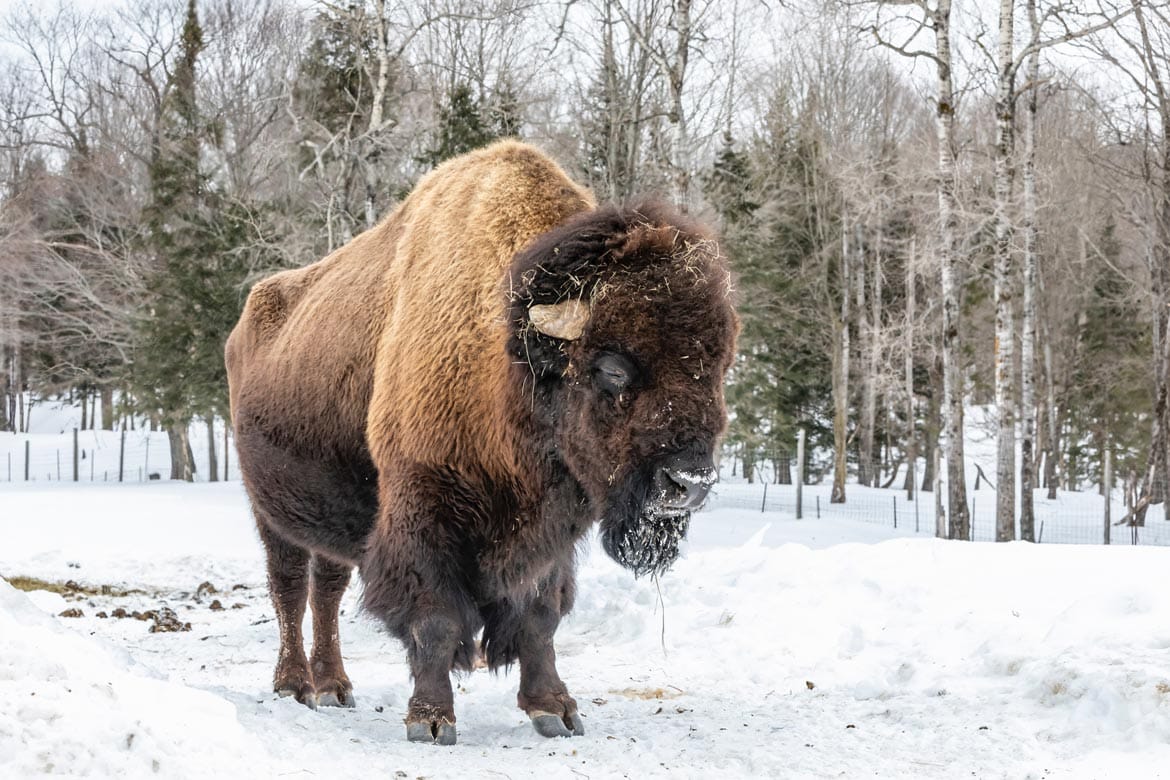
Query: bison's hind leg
<point x="330" y="682"/>
<point x="294" y="577"/>
<point x="288" y="586"/>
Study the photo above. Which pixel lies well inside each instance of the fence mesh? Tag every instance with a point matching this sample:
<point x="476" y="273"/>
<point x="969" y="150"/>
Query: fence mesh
<point x="1071" y="518"/>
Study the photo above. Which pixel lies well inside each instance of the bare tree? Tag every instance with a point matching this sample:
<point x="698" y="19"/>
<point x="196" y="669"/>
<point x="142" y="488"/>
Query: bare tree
<point x="936" y="19"/>
<point x="1008" y="63"/>
<point x="671" y="53"/>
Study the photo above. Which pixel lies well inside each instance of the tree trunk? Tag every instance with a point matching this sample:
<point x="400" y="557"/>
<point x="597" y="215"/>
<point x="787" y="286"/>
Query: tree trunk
<point x="867" y="465"/>
<point x="783" y="465"/>
<point x="84" y="396"/>
<point x="952" y="407"/>
<point x="860" y="273"/>
<point x="672" y="66"/>
<point x="212" y="465"/>
<point x="181" y="466"/>
<point x="1028" y="338"/>
<point x="18" y="390"/>
<point x="680" y="136"/>
<point x="107" y="397"/>
<point x="908" y="375"/>
<point x="1005" y="498"/>
<point x="1052" y="460"/>
<point x="5" y="395"/>
<point x="931" y="434"/>
<point x="841" y="375"/>
<point x="1154" y="485"/>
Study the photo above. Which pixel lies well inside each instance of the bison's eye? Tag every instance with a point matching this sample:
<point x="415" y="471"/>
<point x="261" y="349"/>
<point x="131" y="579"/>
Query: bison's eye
<point x="614" y="373"/>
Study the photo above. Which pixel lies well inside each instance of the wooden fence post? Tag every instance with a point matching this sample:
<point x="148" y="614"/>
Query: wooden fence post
<point x="799" y="474"/>
<point x="1107" y="488"/>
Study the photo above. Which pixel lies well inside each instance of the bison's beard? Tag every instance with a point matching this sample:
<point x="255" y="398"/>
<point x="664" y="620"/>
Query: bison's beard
<point x="647" y="543"/>
<point x="641" y="534"/>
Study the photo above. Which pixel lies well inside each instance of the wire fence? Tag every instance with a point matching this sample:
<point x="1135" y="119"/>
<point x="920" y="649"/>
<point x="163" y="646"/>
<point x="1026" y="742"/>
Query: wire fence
<point x="110" y="456"/>
<point x="1071" y="518"/>
<point x="142" y="455"/>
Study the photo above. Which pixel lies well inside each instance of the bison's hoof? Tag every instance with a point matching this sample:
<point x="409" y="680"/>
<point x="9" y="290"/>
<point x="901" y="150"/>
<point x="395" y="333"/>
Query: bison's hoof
<point x="549" y="725"/>
<point x="335" y="694"/>
<point x="432" y="731"/>
<point x="302" y="693"/>
<point x="330" y="698"/>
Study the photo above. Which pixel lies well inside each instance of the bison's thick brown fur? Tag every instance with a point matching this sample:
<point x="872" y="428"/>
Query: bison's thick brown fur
<point x="450" y="401"/>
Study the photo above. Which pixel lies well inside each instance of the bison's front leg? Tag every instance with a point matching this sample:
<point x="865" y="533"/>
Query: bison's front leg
<point x="415" y="574"/>
<point x="542" y="693"/>
<point x="430" y="716"/>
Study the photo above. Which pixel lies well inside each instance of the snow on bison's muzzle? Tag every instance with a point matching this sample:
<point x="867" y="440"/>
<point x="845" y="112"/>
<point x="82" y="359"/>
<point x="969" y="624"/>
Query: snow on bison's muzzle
<point x="643" y="532"/>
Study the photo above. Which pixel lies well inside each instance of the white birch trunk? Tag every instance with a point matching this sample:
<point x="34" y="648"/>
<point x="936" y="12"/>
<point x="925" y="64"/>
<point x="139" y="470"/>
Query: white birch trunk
<point x="381" y="84"/>
<point x="1005" y="498"/>
<point x="952" y="411"/>
<point x="908" y="358"/>
<point x="1028" y="337"/>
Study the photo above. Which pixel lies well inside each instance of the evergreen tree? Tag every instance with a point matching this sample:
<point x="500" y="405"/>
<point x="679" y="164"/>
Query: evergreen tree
<point x="198" y="239"/>
<point x="461" y="127"/>
<point x="781" y="379"/>
<point x="1110" y="391"/>
<point x="606" y="143"/>
<point x="505" y="115"/>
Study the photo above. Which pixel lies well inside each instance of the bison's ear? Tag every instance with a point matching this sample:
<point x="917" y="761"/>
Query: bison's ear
<point x="565" y="320"/>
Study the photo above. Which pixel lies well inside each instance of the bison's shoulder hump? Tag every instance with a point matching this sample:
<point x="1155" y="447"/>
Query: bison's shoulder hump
<point x="272" y="300"/>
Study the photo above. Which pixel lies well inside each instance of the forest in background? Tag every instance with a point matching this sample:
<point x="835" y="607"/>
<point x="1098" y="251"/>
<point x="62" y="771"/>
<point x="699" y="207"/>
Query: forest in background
<point x="924" y="206"/>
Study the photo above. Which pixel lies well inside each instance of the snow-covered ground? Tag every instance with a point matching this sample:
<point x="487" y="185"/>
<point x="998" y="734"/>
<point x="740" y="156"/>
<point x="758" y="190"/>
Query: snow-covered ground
<point x="775" y="648"/>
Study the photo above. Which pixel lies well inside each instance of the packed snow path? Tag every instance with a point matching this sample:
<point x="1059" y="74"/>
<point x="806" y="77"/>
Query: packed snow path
<point x="777" y="648"/>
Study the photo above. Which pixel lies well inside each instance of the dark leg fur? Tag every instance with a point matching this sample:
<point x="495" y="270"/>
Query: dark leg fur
<point x="330" y="682"/>
<point x="288" y="585"/>
<point x="415" y="572"/>
<point x="430" y="716"/>
<point x="542" y="693"/>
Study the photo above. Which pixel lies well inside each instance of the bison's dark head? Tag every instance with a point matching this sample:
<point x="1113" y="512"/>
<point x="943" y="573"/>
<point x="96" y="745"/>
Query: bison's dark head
<point x="621" y="331"/>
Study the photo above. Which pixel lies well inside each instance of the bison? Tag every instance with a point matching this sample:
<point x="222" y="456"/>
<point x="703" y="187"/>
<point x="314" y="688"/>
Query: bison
<point x="451" y="400"/>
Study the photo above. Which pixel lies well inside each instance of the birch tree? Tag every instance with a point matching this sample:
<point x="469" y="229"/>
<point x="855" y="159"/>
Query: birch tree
<point x="670" y="51"/>
<point x="1008" y="64"/>
<point x="1028" y="336"/>
<point x="935" y="18"/>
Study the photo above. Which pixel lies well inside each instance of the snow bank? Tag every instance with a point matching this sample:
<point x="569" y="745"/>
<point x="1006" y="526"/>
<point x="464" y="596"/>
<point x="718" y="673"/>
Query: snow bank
<point x="152" y="535"/>
<point x="78" y="706"/>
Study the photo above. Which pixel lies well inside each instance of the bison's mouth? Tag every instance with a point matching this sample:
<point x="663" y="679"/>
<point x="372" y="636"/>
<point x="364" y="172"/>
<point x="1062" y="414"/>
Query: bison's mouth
<point x="645" y="542"/>
<point x="649" y="511"/>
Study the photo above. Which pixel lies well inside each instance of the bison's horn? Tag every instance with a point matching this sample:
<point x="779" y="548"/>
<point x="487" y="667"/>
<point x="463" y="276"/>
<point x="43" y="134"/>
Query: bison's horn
<point x="564" y="320"/>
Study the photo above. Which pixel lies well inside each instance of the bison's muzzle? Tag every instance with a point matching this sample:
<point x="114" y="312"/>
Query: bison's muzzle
<point x="683" y="489"/>
<point x="645" y="527"/>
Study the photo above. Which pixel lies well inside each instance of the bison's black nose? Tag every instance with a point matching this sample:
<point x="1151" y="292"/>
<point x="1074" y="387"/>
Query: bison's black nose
<point x="684" y="488"/>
